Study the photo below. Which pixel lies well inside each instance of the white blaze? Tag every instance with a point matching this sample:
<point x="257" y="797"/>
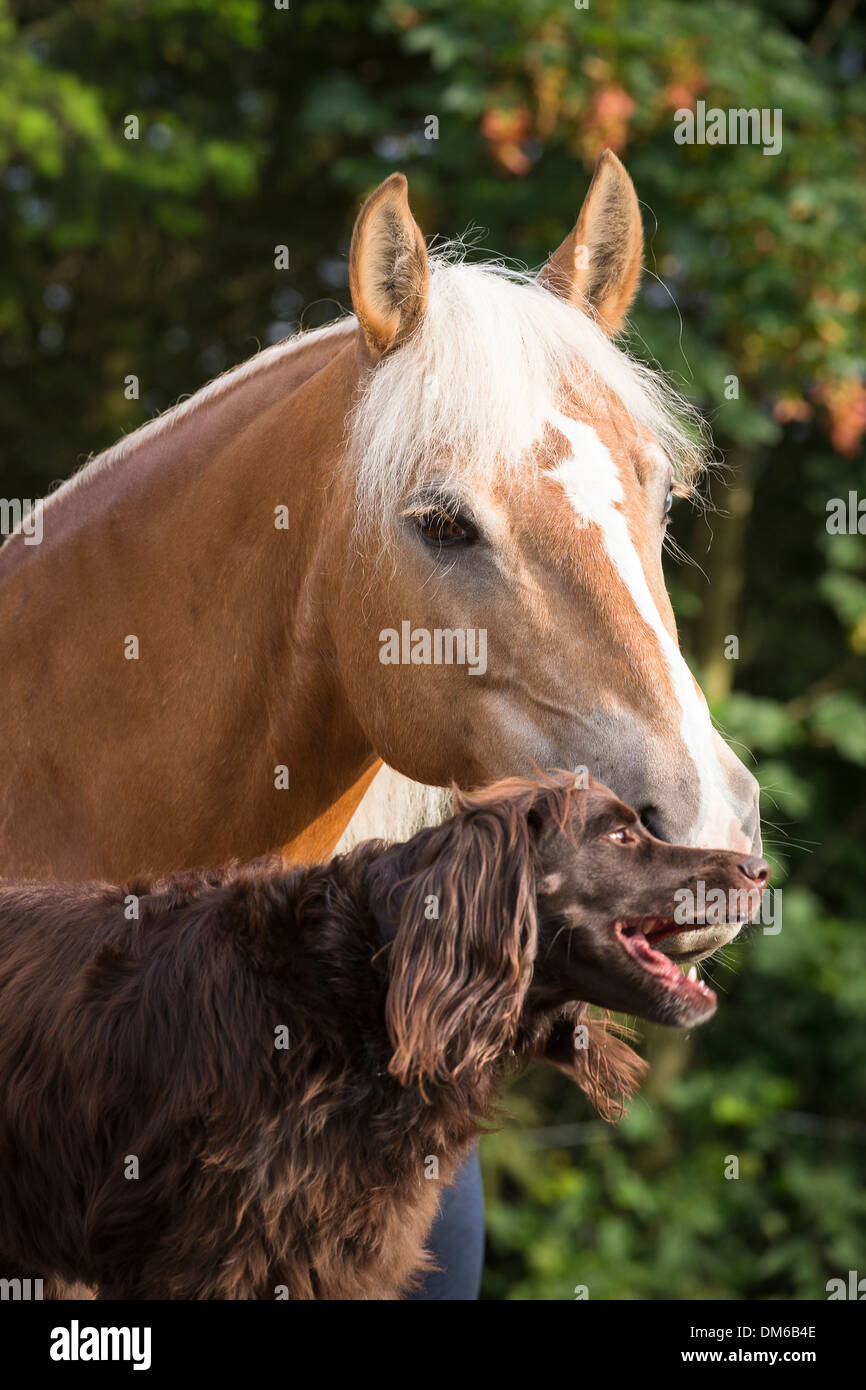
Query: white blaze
<point x="592" y="484"/>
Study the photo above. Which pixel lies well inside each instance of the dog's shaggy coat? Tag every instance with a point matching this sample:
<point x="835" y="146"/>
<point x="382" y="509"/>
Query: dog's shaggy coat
<point x="233" y="1084"/>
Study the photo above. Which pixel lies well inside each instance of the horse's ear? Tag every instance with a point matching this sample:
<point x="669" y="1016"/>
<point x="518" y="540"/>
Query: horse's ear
<point x="388" y="271"/>
<point x="600" y="260"/>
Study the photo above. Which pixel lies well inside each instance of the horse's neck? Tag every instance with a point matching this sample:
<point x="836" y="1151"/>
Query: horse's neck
<point x="172" y="540"/>
<point x="160" y="455"/>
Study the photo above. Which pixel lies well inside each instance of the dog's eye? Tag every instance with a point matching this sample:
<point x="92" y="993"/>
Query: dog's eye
<point x="440" y="527"/>
<point x="623" y="836"/>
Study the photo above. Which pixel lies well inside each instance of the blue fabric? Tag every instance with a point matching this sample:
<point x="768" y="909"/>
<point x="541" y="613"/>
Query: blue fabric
<point x="457" y="1240"/>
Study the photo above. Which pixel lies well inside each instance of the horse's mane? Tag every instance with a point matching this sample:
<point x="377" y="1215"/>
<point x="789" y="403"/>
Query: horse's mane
<point x="470" y="392"/>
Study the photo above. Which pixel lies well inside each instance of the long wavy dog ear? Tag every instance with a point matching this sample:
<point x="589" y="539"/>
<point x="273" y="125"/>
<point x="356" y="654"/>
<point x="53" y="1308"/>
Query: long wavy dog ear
<point x="462" y="958"/>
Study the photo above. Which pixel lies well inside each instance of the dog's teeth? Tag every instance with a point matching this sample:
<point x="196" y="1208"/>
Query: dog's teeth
<point x="693" y="973"/>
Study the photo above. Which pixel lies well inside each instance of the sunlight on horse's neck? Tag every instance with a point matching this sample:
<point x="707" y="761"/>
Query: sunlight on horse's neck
<point x="172" y="540"/>
<point x="238" y="395"/>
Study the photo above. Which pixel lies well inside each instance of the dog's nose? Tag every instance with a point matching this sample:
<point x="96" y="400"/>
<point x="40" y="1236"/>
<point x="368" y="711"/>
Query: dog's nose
<point x="758" y="870"/>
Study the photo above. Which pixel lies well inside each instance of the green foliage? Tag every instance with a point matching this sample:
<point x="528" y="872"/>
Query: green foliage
<point x="261" y="127"/>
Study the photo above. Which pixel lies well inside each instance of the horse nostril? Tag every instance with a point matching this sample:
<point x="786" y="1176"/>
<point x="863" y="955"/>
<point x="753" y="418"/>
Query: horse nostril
<point x="650" y="817"/>
<point x="758" y="870"/>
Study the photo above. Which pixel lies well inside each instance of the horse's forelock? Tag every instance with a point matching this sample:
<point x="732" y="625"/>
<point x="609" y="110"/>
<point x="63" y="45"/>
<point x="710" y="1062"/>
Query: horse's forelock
<point x="468" y="396"/>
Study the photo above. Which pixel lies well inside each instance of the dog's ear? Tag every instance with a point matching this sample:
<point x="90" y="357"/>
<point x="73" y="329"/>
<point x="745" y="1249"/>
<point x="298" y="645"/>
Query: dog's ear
<point x="591" y="1052"/>
<point x="462" y="958"/>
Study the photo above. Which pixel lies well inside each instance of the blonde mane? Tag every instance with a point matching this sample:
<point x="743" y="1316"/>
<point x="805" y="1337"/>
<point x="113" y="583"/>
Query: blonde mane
<point x="469" y="394"/>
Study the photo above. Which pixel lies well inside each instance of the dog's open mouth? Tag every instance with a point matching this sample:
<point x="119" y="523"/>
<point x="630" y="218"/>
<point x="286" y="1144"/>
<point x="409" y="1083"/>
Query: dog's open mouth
<point x="638" y="937"/>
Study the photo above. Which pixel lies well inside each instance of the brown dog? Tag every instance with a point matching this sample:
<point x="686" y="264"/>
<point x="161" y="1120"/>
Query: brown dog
<point x="238" y="1092"/>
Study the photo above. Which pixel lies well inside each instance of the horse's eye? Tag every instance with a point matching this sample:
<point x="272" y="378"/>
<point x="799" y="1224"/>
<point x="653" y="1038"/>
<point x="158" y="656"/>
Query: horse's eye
<point x="669" y="502"/>
<point x="440" y="527"/>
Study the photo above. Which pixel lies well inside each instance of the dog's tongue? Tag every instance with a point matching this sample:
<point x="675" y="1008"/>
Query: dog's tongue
<point x="655" y="963"/>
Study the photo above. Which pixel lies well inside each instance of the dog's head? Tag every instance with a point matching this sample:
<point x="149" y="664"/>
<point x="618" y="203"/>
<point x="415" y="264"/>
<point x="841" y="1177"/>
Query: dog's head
<point x="537" y="895"/>
<point x="609" y="894"/>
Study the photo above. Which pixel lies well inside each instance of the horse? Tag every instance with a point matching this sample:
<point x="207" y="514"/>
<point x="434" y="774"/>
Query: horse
<point x="193" y="656"/>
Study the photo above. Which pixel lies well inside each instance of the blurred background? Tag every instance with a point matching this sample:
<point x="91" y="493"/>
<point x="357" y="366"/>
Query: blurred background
<point x="261" y="126"/>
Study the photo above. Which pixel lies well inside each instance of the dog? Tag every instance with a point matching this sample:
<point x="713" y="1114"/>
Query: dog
<point x="254" y="1082"/>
